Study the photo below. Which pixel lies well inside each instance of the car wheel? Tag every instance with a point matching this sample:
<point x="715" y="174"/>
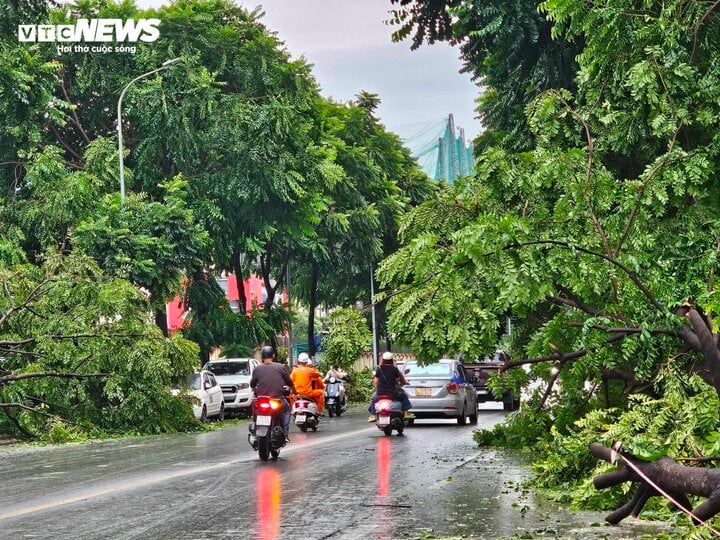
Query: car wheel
<point x="203" y="414"/>
<point x="461" y="419"/>
<point x="221" y="414"/>
<point x="474" y="417"/>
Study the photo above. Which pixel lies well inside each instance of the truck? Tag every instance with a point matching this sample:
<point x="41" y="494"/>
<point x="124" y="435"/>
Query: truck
<point x="479" y="373"/>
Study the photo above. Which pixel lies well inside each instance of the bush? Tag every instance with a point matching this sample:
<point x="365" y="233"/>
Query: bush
<point x="359" y="386"/>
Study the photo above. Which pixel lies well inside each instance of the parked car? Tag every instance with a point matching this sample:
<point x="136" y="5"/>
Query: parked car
<point x="233" y="374"/>
<point x="479" y="374"/>
<point x="205" y="395"/>
<point x="440" y="390"/>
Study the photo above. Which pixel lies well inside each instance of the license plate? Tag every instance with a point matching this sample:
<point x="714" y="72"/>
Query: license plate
<point x="422" y="391"/>
<point x="383" y="420"/>
<point x="300" y="419"/>
<point x="263" y="420"/>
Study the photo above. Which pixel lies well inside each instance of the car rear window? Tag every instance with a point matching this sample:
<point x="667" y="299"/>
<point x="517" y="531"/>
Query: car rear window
<point x="193" y="381"/>
<point x="229" y="368"/>
<point x="431" y="370"/>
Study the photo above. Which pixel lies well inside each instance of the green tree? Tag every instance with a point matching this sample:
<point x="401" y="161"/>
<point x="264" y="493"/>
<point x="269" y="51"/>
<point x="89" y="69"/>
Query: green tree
<point x="601" y="238"/>
<point x="349" y="337"/>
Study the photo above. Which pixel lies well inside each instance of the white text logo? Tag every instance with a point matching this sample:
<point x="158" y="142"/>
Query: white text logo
<point x="92" y="30"/>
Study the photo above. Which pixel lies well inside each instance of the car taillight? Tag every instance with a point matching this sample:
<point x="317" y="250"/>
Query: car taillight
<point x="383" y="405"/>
<point x="452" y="387"/>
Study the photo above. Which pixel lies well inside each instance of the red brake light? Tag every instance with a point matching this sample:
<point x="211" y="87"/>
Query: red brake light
<point x="267" y="404"/>
<point x="383" y="405"/>
<point x="452" y="387"/>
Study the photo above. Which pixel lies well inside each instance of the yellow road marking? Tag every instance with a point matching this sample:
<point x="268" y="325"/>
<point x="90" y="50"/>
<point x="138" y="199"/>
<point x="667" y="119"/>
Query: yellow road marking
<point x="168" y="476"/>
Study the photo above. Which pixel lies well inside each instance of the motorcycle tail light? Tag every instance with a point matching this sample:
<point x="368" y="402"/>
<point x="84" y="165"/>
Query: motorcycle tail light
<point x="452" y="387"/>
<point x="383" y="405"/>
<point x="268" y="404"/>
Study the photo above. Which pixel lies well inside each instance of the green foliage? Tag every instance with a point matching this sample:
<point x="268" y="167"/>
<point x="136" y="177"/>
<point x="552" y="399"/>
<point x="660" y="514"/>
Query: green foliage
<point x="593" y="226"/>
<point x="359" y="386"/>
<point x="349" y="337"/>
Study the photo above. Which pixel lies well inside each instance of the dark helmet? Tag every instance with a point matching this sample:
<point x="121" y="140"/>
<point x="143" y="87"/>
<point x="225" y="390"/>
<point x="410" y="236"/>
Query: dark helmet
<point x="267" y="352"/>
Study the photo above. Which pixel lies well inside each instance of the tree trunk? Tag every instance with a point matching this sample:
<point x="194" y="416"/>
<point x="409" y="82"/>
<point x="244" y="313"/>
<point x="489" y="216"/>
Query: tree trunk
<point x="161" y="321"/>
<point x="312" y="305"/>
<point x="239" y="278"/>
<point x="675" y="479"/>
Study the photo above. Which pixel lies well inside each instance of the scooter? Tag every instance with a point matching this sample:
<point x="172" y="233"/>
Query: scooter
<point x="306" y="413"/>
<point x="389" y="416"/>
<point x="267" y="431"/>
<point x="335" y="400"/>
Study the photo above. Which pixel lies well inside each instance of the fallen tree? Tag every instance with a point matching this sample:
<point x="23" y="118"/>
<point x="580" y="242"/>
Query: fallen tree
<point x="676" y="480"/>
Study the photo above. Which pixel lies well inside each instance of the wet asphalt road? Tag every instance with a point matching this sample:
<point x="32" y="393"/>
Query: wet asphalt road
<point x="346" y="481"/>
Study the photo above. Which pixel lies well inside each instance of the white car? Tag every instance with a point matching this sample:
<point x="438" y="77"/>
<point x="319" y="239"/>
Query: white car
<point x="205" y="395"/>
<point x="233" y="374"/>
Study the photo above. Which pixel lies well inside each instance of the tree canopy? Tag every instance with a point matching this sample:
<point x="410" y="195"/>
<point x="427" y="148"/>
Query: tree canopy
<point x="598" y="234"/>
<point x="234" y="162"/>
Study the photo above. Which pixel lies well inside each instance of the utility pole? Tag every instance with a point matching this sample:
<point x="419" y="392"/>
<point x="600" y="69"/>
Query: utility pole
<point x="374" y="326"/>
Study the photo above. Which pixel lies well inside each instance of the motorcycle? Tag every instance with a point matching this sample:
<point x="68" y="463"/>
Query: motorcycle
<point x="389" y="416"/>
<point x="267" y="431"/>
<point x="306" y="414"/>
<point x="335" y="399"/>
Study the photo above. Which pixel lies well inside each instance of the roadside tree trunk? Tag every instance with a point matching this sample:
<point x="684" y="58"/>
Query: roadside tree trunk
<point x="314" y="275"/>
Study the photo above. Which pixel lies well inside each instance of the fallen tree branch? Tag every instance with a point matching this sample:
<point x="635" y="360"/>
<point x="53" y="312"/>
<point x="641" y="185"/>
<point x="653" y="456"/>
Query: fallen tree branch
<point x="11" y="378"/>
<point x="654" y="477"/>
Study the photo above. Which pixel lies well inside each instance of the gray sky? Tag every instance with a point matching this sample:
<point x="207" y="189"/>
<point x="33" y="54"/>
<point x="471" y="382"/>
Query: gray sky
<point x="349" y="45"/>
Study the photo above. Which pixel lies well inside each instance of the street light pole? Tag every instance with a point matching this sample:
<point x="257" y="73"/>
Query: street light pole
<point x="165" y="65"/>
<point x="374" y="327"/>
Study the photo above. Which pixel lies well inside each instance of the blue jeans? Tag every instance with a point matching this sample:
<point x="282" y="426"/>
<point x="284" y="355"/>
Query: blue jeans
<point x="286" y="416"/>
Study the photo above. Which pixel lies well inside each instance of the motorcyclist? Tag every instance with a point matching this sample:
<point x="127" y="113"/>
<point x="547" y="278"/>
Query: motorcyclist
<point x="386" y="380"/>
<point x="268" y="379"/>
<point x="308" y="382"/>
<point x="339" y="375"/>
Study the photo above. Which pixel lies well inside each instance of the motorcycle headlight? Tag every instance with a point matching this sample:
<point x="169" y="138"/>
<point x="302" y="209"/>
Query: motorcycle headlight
<point x="333" y="380"/>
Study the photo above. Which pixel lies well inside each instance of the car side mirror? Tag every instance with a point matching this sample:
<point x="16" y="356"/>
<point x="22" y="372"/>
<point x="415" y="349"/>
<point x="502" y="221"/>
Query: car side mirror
<point x="207" y="385"/>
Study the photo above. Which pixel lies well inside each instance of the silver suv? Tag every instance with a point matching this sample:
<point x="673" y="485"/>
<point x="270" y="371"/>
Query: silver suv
<point x="233" y="375"/>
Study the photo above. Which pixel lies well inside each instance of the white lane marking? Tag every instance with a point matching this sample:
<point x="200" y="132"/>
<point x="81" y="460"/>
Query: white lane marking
<point x="169" y="476"/>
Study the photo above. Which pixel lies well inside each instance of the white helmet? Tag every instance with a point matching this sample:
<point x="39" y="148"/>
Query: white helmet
<point x="303" y="358"/>
<point x="387" y="356"/>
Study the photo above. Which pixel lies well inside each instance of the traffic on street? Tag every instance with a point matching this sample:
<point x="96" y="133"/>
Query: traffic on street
<point x="347" y="480"/>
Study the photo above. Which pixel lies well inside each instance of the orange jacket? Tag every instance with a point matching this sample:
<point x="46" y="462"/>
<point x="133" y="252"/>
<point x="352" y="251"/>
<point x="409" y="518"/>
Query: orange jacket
<point x="303" y="377"/>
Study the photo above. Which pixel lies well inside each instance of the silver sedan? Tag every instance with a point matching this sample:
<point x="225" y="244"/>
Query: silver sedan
<point x="440" y="390"/>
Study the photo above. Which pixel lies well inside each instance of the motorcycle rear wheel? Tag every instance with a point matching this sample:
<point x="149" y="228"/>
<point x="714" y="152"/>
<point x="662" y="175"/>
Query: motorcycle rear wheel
<point x="302" y="427"/>
<point x="387" y="431"/>
<point x="264" y="448"/>
<point x="274" y="453"/>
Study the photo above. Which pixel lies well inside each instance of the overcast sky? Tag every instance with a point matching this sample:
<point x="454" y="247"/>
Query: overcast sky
<point x="349" y="45"/>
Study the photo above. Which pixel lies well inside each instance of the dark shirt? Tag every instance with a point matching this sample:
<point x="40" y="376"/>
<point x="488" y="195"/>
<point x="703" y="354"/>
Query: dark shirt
<point x="268" y="380"/>
<point x="388" y="377"/>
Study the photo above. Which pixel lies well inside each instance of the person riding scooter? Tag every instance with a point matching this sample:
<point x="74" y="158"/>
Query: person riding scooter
<point x="308" y="382"/>
<point x="387" y="381"/>
<point x="268" y="379"/>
